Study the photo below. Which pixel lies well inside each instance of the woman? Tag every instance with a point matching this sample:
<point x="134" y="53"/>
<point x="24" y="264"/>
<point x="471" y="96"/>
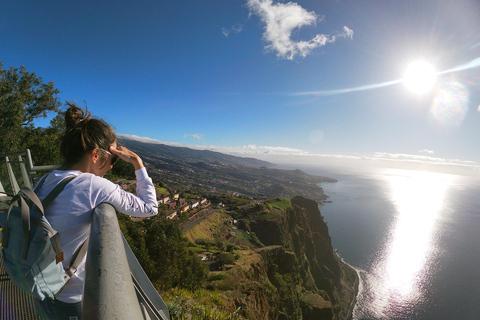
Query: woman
<point x="89" y="149"/>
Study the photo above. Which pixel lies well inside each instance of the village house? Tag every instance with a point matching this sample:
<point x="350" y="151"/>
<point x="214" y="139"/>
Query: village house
<point x="173" y="215"/>
<point x="164" y="200"/>
<point x="184" y="208"/>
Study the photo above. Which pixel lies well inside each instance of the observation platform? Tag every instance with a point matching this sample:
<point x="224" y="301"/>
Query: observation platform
<point x="122" y="293"/>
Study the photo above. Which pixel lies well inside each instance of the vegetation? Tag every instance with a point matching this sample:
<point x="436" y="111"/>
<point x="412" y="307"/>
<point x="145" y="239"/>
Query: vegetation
<point x="162" y="250"/>
<point x="121" y="169"/>
<point x="24" y="97"/>
<point x="230" y="200"/>
<point x="200" y="305"/>
<point x="207" y="230"/>
<point x="281" y="203"/>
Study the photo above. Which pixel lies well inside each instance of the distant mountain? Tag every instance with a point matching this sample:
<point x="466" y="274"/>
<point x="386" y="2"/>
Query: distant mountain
<point x="170" y="154"/>
<point x="209" y="173"/>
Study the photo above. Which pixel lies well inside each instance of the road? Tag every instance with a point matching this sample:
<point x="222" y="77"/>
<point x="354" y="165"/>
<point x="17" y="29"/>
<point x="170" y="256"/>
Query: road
<point x="205" y="213"/>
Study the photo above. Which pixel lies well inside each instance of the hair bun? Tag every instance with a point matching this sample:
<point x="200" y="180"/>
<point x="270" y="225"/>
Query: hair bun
<point x="75" y="118"/>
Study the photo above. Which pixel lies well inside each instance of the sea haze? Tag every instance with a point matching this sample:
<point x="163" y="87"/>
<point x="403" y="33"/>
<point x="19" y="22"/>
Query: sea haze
<point x="414" y="238"/>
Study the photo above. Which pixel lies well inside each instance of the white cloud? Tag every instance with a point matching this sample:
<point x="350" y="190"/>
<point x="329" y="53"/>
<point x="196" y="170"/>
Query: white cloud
<point x="251" y="148"/>
<point x="401" y="157"/>
<point x="426" y="151"/>
<point x="281" y="19"/>
<point x="235" y="29"/>
<point x="406" y="157"/>
<point x="148" y="140"/>
<point x="197" y="136"/>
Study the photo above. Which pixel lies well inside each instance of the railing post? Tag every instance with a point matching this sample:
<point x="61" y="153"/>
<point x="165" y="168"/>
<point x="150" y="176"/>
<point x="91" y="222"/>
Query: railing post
<point x="23" y="169"/>
<point x="11" y="175"/>
<point x="109" y="291"/>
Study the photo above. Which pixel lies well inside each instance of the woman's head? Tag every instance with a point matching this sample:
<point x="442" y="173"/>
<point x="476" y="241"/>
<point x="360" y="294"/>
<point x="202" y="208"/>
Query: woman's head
<point x="84" y="135"/>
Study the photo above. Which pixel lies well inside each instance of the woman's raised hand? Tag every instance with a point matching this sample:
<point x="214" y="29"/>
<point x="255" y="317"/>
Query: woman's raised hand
<point x="127" y="155"/>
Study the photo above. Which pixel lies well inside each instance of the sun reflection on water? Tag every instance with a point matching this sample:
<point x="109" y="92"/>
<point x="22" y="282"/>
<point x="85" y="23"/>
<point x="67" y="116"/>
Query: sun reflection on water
<point x="403" y="266"/>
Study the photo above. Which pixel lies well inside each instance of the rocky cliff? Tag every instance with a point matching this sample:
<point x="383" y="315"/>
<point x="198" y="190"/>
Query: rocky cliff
<point x="296" y="275"/>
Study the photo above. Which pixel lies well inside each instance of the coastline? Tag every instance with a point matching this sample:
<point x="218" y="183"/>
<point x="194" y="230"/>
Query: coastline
<point x="356" y="285"/>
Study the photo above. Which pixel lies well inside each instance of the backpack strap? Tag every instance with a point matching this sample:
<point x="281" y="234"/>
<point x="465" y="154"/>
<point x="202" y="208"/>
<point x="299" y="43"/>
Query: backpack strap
<point x="55" y="237"/>
<point x="19" y="198"/>
<point x="40" y="183"/>
<point x="55" y="192"/>
<point x="26" y="193"/>
<point x="78" y="257"/>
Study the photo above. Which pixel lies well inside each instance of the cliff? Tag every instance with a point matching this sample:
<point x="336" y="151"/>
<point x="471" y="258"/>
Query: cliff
<point x="307" y="278"/>
<point x="290" y="270"/>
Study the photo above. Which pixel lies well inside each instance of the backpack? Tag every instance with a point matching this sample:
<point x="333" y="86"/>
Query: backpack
<point x="31" y="248"/>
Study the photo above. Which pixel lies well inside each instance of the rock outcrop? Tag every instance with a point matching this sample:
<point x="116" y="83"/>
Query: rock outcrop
<point x="298" y="276"/>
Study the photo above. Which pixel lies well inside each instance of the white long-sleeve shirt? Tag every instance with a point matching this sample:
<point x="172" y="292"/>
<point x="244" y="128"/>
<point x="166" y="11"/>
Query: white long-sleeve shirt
<point x="71" y="213"/>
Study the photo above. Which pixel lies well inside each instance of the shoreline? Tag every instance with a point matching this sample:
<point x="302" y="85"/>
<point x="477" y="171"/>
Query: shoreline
<point x="356" y="285"/>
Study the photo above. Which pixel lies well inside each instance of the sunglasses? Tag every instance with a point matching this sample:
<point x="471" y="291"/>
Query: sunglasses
<point x="114" y="156"/>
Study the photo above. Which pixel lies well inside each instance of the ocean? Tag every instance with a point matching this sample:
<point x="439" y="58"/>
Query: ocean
<point x="414" y="238"/>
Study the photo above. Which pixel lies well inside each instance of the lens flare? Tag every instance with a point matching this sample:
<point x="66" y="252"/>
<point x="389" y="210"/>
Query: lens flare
<point x="449" y="106"/>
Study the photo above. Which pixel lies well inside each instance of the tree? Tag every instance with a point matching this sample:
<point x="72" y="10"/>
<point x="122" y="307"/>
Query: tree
<point x="175" y="265"/>
<point x="24" y="97"/>
<point x="43" y="143"/>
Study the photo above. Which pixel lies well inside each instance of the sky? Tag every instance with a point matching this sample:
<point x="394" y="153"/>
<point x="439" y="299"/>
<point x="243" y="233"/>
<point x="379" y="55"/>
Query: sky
<point x="305" y="81"/>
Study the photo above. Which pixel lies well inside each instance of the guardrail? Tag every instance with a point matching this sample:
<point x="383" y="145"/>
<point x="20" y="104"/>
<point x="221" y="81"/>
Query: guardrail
<point x="116" y="286"/>
<point x="27" y="169"/>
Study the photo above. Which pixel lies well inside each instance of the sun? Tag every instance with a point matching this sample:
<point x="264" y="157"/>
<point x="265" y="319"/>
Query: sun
<point x="420" y="76"/>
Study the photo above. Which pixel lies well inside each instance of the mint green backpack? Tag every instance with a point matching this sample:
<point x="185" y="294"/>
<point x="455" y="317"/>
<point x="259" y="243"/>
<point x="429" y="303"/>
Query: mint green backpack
<point x="30" y="247"/>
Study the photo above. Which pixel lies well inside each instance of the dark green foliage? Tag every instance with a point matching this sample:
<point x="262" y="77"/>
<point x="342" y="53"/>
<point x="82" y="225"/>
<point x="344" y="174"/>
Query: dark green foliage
<point x="220" y="245"/>
<point x="230" y="200"/>
<point x="135" y="235"/>
<point x="231" y="246"/>
<point x="43" y="146"/>
<point x="162" y="250"/>
<point x="225" y="258"/>
<point x="121" y="169"/>
<point x="24" y="97"/>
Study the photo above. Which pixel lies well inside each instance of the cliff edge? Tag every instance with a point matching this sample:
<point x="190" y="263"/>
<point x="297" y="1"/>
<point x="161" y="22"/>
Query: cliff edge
<point x="290" y="270"/>
<point x="299" y="258"/>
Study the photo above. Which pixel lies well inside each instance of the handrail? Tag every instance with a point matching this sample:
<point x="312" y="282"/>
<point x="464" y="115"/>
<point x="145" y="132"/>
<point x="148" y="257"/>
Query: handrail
<point x="28" y="158"/>
<point x="34" y="169"/>
<point x="27" y="170"/>
<point x="109" y="292"/>
<point x="112" y="289"/>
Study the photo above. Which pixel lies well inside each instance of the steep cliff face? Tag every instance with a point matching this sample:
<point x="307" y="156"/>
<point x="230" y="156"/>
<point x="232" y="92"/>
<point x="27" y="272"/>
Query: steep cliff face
<point x="301" y="275"/>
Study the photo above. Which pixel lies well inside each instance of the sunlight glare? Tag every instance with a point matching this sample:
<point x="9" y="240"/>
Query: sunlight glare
<point x="420" y="76"/>
<point x="404" y="264"/>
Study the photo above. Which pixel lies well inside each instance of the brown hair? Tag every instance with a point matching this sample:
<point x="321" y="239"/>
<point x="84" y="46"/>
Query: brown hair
<point x="83" y="133"/>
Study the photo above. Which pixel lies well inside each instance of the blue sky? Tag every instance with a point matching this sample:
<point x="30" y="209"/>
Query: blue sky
<point x="264" y="78"/>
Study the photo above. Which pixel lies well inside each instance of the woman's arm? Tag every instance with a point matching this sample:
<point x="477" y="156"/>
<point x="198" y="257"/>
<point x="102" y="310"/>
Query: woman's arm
<point x="128" y="156"/>
<point x="144" y="204"/>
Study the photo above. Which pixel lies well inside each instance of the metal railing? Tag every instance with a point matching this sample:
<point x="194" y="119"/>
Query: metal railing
<point x="27" y="170"/>
<point x="116" y="287"/>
